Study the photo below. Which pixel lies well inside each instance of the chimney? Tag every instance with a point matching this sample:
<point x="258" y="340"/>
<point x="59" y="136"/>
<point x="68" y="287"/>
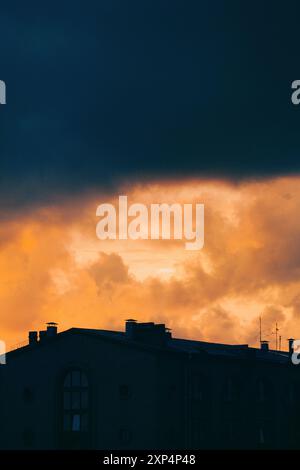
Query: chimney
<point x="42" y="335"/>
<point x="33" y="337"/>
<point x="130" y="325"/>
<point x="148" y="333"/>
<point x="51" y="329"/>
<point x="264" y="346"/>
<point x="291" y="346"/>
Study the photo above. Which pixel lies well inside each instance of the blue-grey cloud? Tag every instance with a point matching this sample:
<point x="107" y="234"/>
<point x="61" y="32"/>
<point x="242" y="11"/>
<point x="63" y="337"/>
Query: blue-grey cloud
<point x="99" y="92"/>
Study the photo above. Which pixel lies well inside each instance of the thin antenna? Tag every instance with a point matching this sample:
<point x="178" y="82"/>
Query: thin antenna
<point x="260" y="330"/>
<point x="280" y="343"/>
<point x="276" y="333"/>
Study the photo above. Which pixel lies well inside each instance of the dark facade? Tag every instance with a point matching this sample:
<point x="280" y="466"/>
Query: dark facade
<point x="143" y="389"/>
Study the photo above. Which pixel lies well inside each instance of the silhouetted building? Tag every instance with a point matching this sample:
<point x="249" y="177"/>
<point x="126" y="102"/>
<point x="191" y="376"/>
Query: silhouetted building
<point x="143" y="389"/>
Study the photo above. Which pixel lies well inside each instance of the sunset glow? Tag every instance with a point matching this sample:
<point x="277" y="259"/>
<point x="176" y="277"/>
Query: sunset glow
<point x="53" y="267"/>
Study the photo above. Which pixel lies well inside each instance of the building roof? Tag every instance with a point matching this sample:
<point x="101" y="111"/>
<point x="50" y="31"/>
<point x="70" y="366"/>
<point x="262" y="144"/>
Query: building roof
<point x="172" y="345"/>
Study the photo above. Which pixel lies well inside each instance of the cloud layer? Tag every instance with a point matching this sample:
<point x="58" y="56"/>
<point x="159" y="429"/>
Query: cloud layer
<point x="53" y="268"/>
<point x="115" y="91"/>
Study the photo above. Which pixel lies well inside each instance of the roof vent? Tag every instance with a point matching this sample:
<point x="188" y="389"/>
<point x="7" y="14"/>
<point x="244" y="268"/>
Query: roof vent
<point x="264" y="346"/>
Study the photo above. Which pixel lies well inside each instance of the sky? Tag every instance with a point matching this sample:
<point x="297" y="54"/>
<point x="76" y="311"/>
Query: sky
<point x="187" y="101"/>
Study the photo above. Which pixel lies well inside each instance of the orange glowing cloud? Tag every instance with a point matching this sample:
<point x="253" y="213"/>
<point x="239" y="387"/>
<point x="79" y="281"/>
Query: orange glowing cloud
<point x="53" y="267"/>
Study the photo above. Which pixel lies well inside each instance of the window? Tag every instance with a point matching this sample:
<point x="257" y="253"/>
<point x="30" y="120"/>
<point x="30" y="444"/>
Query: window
<point x="124" y="392"/>
<point x="75" y="402"/>
<point x="124" y="436"/>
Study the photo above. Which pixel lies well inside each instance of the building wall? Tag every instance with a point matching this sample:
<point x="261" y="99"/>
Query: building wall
<point x="109" y="366"/>
<point x="247" y="417"/>
<point x="146" y="400"/>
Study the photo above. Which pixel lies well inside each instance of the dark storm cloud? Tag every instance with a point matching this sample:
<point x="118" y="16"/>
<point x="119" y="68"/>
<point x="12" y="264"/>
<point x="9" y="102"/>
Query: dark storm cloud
<point x="99" y="92"/>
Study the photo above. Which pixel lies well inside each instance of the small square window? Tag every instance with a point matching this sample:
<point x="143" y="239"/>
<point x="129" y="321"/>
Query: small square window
<point x="28" y="395"/>
<point x="125" y="436"/>
<point x="124" y="391"/>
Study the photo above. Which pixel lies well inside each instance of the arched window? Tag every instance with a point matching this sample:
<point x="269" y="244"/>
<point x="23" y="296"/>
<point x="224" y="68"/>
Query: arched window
<point x="76" y="402"/>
